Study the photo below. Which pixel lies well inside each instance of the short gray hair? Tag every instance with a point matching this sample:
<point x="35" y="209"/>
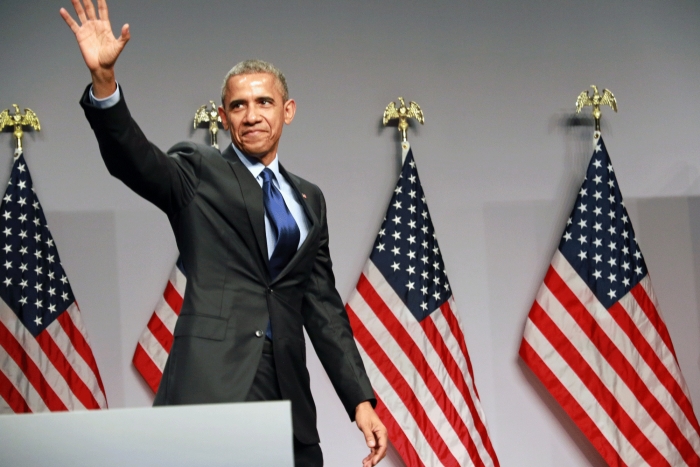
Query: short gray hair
<point x="248" y="67"/>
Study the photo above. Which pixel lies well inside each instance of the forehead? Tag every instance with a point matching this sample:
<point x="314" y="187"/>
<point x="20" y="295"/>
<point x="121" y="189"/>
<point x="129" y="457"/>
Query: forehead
<point x="253" y="85"/>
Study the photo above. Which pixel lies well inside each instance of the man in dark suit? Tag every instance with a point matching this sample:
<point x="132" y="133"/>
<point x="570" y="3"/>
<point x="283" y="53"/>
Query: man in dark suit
<point x="253" y="239"/>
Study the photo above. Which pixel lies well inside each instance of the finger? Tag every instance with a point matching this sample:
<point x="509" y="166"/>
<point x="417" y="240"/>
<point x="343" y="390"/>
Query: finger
<point x="126" y="35"/>
<point x="102" y="7"/>
<point x="369" y="438"/>
<point x="90" y="9"/>
<point x="69" y="20"/>
<point x="382" y="445"/>
<point x="79" y="11"/>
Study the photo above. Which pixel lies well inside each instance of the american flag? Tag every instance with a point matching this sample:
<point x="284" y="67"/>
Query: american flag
<point x="156" y="340"/>
<point x="596" y="339"/>
<point x="409" y="334"/>
<point x="46" y="363"/>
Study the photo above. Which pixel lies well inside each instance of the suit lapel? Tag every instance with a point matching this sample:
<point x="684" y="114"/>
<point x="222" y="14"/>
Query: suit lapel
<point x="252" y="196"/>
<point x="314" y="227"/>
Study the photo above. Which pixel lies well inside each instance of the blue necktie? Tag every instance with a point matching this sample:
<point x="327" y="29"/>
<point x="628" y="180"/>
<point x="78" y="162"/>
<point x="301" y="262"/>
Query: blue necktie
<point x="285" y="228"/>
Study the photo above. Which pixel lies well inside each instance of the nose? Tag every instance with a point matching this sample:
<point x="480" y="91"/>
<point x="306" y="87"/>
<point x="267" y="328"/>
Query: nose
<point x="251" y="115"/>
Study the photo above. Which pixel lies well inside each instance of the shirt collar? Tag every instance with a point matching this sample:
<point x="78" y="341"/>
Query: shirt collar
<point x="255" y="166"/>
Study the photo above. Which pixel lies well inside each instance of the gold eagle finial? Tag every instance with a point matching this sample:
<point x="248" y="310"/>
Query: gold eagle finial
<point x="403" y="113"/>
<point x="210" y="116"/>
<point x="17" y="121"/>
<point x="595" y="101"/>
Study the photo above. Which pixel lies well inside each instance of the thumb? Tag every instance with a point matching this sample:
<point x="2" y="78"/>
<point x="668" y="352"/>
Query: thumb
<point x="126" y="35"/>
<point x="369" y="437"/>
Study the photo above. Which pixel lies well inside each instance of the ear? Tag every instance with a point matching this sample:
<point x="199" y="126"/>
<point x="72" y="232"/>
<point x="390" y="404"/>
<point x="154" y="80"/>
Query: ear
<point x="290" y="108"/>
<point x="224" y="118"/>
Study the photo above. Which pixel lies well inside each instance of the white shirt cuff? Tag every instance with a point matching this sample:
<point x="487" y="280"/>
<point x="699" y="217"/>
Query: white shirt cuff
<point x="105" y="102"/>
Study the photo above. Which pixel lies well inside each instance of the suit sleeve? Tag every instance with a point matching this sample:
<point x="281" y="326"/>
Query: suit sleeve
<point x="327" y="324"/>
<point x="167" y="180"/>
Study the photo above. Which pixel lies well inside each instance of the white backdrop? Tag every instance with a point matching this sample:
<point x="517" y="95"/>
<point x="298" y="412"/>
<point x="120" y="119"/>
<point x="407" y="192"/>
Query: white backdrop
<point x="499" y="160"/>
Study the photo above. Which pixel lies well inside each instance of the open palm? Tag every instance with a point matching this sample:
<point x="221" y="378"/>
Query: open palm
<point x="97" y="43"/>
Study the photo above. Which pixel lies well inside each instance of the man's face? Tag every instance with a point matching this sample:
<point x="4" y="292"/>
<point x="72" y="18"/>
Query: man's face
<point x="254" y="112"/>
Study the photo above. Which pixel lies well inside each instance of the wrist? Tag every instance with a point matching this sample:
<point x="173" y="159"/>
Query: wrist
<point x="362" y="406"/>
<point x="104" y="83"/>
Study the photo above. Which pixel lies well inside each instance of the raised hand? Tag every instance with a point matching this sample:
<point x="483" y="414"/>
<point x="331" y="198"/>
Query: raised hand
<point x="97" y="43"/>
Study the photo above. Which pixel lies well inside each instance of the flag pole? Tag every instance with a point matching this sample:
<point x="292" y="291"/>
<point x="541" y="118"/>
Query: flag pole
<point x="595" y="101"/>
<point x="18" y="120"/>
<point x="403" y="113"/>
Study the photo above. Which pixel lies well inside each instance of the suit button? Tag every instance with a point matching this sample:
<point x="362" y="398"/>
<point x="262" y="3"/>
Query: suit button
<point x="258" y="333"/>
<point x="269" y="291"/>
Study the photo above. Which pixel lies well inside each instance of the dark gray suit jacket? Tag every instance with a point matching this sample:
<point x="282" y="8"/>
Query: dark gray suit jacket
<point x="215" y="207"/>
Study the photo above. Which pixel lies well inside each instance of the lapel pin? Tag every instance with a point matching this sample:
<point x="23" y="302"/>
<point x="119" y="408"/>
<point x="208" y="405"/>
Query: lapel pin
<point x="303" y="195"/>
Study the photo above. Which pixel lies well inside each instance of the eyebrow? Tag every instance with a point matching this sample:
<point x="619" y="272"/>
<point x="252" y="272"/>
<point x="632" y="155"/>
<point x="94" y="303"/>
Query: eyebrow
<point x="243" y="101"/>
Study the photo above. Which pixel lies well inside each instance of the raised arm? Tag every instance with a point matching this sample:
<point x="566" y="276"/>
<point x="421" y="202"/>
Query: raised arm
<point x="97" y="43"/>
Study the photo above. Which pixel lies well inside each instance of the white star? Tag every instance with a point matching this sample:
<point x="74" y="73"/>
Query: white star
<point x="410" y="285"/>
<point x="567" y="236"/>
<point x="436" y="265"/>
<point x="638" y="270"/>
<point x="582" y="208"/>
<point x="35" y="203"/>
<point x="412" y="164"/>
<point x="625" y="265"/>
<point x="23" y="250"/>
<point x="598" y="226"/>
<point x="379" y="247"/>
<point x="596" y="162"/>
<point x="611" y="294"/>
<point x="8" y="198"/>
<point x="624" y="218"/>
<point x="412" y="224"/>
<point x="625" y="234"/>
<point x="49" y="242"/>
<point x="51" y="275"/>
<point x="424" y="275"/>
<point x="37" y="270"/>
<point x="396" y="235"/>
<point x="568" y="221"/>
<point x="612" y="246"/>
<point x="611" y="230"/>
<point x="626" y="282"/>
<point x="598" y="179"/>
<point x="52" y="291"/>
<point x="424" y="229"/>
<point x="424" y="306"/>
<point x="612" y="261"/>
<point x="8" y="264"/>
<point x="20" y="167"/>
<point x="37" y="321"/>
<point x="598" y="148"/>
<point x="23" y="283"/>
<point x="583" y="192"/>
<point x="8" y="231"/>
<point x="411" y="239"/>
<point x="23" y="300"/>
<point x="598" y="195"/>
<point x="447" y="286"/>
<point x="582" y="239"/>
<point x="611" y="214"/>
<point x="411" y="270"/>
<point x="411" y="255"/>
<point x="436" y="295"/>
<point x="610" y="168"/>
<point x="23" y="267"/>
<point x="412" y="179"/>
<point x="395" y="266"/>
<point x="424" y="214"/>
<point x="382" y="232"/>
<point x="396" y="250"/>
<point x="52" y="308"/>
<point x="38" y="303"/>
<point x="598" y="242"/>
<point x="612" y="277"/>
<point x="64" y="296"/>
<point x="396" y="220"/>
<point x="23" y="234"/>
<point x="37" y="237"/>
<point x="424" y="259"/>
<point x="582" y="255"/>
<point x="412" y="193"/>
<point x="8" y="282"/>
<point x="22" y="201"/>
<point x="611" y="183"/>
<point x="597" y="274"/>
<point x="637" y="254"/>
<point x="611" y="199"/>
<point x="7" y="215"/>
<point x="22" y="184"/>
<point x="398" y="190"/>
<point x="37" y="254"/>
<point x="625" y="250"/>
<point x="436" y="251"/>
<point x="37" y="221"/>
<point x="23" y="217"/>
<point x="424" y="290"/>
<point x="412" y="209"/>
<point x="597" y="258"/>
<point x="582" y="224"/>
<point x="598" y="211"/>
<point x="397" y="204"/>
<point x="8" y="248"/>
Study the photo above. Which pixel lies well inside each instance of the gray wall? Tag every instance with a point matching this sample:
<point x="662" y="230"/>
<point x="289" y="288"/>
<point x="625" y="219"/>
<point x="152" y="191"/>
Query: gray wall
<point x="499" y="161"/>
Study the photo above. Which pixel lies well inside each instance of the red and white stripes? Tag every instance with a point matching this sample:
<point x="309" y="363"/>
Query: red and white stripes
<point x="157" y="338"/>
<point x="53" y="371"/>
<point x="613" y="370"/>
<point x="421" y="374"/>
